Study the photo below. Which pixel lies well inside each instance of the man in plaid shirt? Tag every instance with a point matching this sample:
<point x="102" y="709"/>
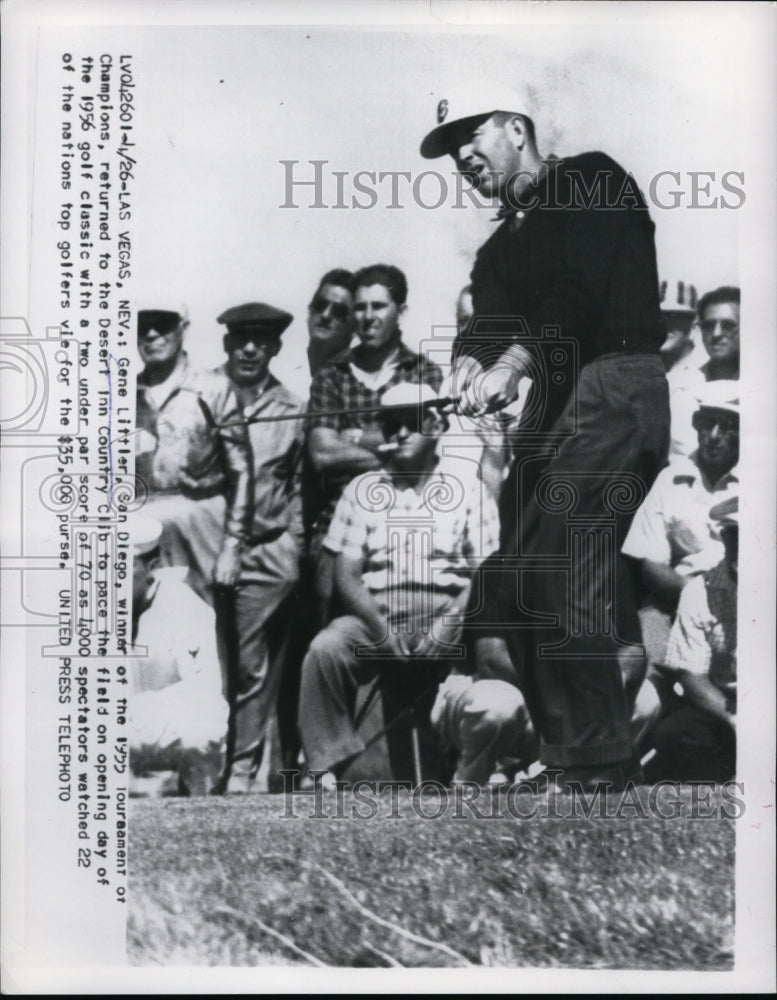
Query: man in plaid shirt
<point x="341" y="447"/>
<point x="406" y="541"/>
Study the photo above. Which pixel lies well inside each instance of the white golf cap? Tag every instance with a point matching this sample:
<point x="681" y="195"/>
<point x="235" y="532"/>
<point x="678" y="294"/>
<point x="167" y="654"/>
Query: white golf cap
<point x="480" y="99"/>
<point x="406" y="394"/>
<point x="722" y="394"/>
<point x="145" y="533"/>
<point x="678" y="297"/>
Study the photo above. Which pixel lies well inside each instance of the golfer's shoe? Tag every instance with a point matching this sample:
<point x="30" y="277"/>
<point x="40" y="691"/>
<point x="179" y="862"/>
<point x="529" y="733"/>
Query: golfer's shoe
<point x="578" y="780"/>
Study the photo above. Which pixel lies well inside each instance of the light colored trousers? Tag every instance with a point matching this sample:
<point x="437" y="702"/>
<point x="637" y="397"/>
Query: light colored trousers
<point x="485" y="720"/>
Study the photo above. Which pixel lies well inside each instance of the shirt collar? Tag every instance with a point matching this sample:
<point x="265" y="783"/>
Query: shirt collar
<point x="693" y="467"/>
<point x="517" y="214"/>
<point x="387" y="476"/>
<point x="271" y="390"/>
<point x="262" y="390"/>
<point x="175" y="379"/>
<point x="405" y="358"/>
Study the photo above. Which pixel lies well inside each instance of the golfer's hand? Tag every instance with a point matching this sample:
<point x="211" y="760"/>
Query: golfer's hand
<point x="495" y="389"/>
<point x="227" y="568"/>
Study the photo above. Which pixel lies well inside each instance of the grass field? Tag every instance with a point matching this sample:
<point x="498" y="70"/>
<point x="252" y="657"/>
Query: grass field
<point x="231" y="882"/>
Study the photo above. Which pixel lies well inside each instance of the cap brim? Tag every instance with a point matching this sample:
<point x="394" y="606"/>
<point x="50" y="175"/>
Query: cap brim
<point x="439" y="141"/>
<point x="262" y="329"/>
<point x="718" y="407"/>
<point x="148" y="319"/>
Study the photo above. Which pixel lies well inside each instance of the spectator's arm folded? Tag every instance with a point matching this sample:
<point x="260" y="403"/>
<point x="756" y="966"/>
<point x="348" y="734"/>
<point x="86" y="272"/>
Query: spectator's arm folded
<point x="333" y="453"/>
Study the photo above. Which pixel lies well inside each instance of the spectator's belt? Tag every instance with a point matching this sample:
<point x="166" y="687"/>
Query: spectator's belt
<point x="204" y="492"/>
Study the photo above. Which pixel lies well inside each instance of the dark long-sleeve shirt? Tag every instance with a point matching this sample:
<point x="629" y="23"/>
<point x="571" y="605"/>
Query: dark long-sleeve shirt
<point x="582" y="261"/>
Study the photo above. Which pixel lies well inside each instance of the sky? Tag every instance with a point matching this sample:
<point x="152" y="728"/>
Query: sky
<point x="220" y="108"/>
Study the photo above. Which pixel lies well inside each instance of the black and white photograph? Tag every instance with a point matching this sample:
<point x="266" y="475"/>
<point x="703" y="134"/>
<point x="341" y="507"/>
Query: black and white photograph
<point x="376" y="448"/>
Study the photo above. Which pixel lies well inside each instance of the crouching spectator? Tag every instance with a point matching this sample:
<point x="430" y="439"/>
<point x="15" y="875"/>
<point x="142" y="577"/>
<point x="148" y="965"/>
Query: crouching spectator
<point x="672" y="537"/>
<point x="487" y="723"/>
<point x="406" y="540"/>
<point x="177" y="715"/>
<point x="696" y="740"/>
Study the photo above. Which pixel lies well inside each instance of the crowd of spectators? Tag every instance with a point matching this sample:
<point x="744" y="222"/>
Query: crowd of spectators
<point x="305" y="571"/>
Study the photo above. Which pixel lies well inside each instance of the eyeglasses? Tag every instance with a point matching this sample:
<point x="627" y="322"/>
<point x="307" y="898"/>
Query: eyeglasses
<point x="153" y="331"/>
<point x="340" y="310"/>
<point x="262" y="340"/>
<point x="727" y="423"/>
<point x="411" y="418"/>
<point x="728" y="327"/>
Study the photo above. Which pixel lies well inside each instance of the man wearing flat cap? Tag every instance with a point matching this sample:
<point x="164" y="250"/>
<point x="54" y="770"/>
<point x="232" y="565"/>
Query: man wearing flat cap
<point x="197" y="479"/>
<point x="566" y="292"/>
<point x="253" y="616"/>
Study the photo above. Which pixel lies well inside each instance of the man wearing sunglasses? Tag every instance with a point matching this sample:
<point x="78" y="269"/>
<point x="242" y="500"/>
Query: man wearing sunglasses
<point x="672" y="536"/>
<point x="330" y="319"/>
<point x="196" y="480"/>
<point x="343" y="444"/>
<point x="719" y="324"/>
<point x="718" y="320"/>
<point x="253" y="615"/>
<point x="406" y="540"/>
<point x="331" y="326"/>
